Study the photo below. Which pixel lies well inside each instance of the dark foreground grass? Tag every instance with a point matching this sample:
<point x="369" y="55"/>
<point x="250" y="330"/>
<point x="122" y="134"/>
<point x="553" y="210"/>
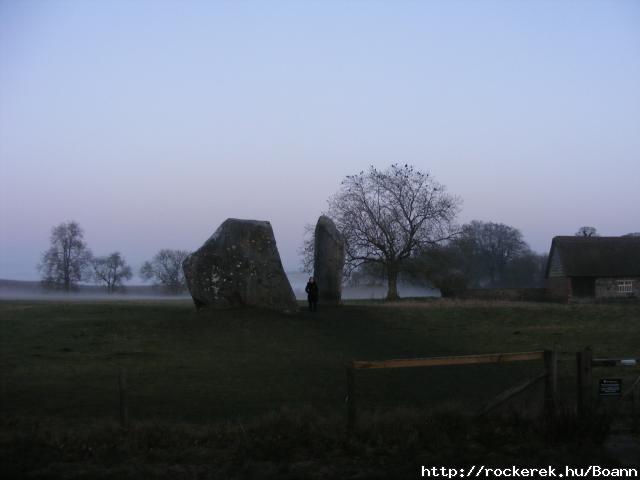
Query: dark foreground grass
<point x="293" y="444"/>
<point x="222" y="375"/>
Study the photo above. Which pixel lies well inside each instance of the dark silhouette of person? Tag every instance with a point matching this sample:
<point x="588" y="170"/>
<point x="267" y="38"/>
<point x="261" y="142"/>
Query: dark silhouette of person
<point x="312" y="294"/>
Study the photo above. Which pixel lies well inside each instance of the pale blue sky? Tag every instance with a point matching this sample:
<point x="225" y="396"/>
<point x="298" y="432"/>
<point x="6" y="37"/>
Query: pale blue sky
<point x="150" y="122"/>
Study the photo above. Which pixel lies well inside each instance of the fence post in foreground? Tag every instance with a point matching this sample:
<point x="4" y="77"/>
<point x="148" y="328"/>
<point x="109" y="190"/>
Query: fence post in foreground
<point x="122" y="389"/>
<point x="583" y="363"/>
<point x="635" y="408"/>
<point x="351" y="397"/>
<point x="551" y="381"/>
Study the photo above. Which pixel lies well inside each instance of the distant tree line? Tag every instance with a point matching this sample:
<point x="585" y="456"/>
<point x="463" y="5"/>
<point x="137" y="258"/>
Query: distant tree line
<point x="482" y="255"/>
<point x="68" y="261"/>
<point x="400" y="223"/>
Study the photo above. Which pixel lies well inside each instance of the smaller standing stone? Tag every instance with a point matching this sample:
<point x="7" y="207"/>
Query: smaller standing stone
<point x="328" y="260"/>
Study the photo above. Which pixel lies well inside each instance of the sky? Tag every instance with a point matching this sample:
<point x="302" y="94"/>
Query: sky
<point x="151" y="122"/>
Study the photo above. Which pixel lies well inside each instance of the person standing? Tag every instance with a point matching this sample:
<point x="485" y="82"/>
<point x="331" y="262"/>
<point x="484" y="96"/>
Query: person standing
<point x="312" y="294"/>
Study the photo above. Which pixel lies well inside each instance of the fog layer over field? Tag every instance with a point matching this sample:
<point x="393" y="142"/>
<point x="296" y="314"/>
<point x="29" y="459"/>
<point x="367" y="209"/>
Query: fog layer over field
<point x="14" y="289"/>
<point x="298" y="281"/>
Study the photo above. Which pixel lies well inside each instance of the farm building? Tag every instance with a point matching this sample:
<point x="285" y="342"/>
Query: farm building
<point x="593" y="267"/>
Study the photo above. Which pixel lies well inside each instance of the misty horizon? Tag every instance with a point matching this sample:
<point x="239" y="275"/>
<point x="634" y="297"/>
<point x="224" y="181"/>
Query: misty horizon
<point x="138" y="280"/>
<point x="32" y="290"/>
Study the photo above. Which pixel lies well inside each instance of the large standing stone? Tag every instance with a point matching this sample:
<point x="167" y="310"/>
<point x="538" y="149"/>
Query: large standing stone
<point x="328" y="260"/>
<point x="239" y="266"/>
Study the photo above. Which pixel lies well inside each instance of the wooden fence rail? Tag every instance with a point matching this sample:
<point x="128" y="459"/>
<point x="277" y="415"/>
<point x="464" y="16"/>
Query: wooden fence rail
<point x="550" y="358"/>
<point x="510" y="393"/>
<point x="615" y="362"/>
<point x="444" y="361"/>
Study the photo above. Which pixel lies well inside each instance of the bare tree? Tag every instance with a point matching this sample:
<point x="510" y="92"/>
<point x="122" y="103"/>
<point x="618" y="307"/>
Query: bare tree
<point x="587" y="232"/>
<point x="165" y="268"/>
<point x="492" y="246"/>
<point x="525" y="271"/>
<point x="66" y="261"/>
<point x="483" y="255"/>
<point x="441" y="266"/>
<point x="386" y="216"/>
<point x="368" y="274"/>
<point x="111" y="271"/>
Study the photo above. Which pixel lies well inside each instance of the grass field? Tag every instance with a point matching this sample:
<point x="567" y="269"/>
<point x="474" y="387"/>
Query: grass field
<point x="201" y="370"/>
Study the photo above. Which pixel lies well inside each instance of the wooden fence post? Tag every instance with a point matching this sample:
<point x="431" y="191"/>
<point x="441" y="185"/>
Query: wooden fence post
<point x="635" y="408"/>
<point x="551" y="381"/>
<point x="583" y="363"/>
<point x="351" y="397"/>
<point x="122" y="389"/>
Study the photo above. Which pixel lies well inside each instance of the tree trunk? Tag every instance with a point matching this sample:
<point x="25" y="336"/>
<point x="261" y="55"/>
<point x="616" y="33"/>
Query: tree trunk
<point x="392" y="286"/>
<point x="66" y="265"/>
<point x="67" y="279"/>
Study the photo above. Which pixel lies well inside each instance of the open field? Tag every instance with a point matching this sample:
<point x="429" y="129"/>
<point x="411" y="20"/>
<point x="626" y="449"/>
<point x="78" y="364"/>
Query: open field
<point x="191" y="371"/>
